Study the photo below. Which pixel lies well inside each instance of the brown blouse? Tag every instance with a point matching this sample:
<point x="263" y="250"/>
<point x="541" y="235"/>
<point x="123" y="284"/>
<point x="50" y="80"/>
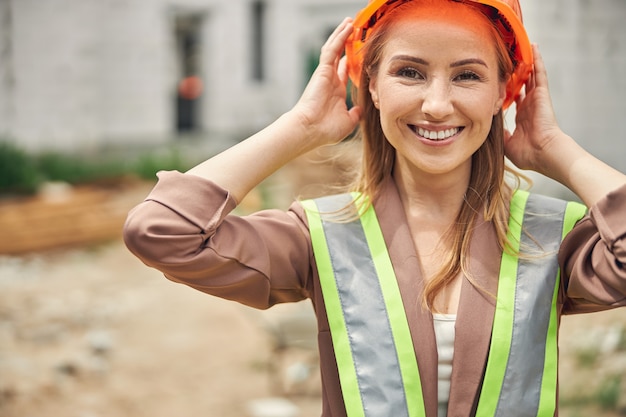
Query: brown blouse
<point x="184" y="229"/>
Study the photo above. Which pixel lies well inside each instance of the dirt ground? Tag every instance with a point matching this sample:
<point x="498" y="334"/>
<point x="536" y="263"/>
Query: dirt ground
<point x="92" y="332"/>
<point x="86" y="333"/>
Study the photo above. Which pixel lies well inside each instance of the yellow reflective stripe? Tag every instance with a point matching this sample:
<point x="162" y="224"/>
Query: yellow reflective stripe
<point x="397" y="314"/>
<point x="573" y="213"/>
<point x="334" y="312"/>
<point x="547" y="403"/>
<point x="503" y="318"/>
<point x="547" y="399"/>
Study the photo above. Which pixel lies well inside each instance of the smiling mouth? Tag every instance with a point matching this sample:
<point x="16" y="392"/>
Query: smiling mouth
<point x="436" y="134"/>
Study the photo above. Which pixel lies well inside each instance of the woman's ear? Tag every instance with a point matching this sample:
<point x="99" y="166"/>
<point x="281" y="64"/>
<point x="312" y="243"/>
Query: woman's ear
<point x="373" y="91"/>
<point x="501" y="96"/>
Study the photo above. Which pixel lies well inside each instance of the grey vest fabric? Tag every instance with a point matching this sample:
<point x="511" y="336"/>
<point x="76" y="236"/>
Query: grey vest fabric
<point x="514" y="377"/>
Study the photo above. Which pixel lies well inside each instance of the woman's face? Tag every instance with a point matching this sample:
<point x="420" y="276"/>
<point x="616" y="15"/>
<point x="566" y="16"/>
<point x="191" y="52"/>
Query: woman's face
<point x="437" y="90"/>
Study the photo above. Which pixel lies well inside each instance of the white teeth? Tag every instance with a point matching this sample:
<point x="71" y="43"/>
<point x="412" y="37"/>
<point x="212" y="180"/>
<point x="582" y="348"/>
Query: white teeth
<point x="440" y="135"/>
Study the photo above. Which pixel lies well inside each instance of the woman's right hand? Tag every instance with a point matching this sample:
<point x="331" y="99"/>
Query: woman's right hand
<point x="320" y="117"/>
<point x="322" y="111"/>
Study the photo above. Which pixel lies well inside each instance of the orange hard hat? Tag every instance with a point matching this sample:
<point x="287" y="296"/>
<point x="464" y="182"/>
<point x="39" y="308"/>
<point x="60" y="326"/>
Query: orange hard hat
<point x="506" y="15"/>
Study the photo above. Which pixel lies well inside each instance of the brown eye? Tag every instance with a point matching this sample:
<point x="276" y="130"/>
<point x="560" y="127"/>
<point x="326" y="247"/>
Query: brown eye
<point x="467" y="76"/>
<point x="411" y="73"/>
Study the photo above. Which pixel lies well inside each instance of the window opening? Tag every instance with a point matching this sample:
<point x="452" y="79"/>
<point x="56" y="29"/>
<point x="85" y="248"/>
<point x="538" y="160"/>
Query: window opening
<point x="190" y="87"/>
<point x="259" y="9"/>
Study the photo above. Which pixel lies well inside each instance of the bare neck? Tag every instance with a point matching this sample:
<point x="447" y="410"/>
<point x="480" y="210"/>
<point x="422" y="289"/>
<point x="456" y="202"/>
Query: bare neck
<point x="431" y="198"/>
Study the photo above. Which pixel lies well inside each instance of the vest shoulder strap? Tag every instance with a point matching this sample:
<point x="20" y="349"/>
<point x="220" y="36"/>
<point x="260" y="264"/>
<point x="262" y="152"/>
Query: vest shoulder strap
<point x="521" y="374"/>
<point x="378" y="369"/>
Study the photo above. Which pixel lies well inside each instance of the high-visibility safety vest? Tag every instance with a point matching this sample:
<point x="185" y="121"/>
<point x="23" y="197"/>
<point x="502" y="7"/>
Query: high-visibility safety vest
<point x="378" y="369"/>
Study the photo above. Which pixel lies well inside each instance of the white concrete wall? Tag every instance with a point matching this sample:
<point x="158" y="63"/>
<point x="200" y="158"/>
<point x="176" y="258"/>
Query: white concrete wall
<point x="583" y="43"/>
<point x="86" y="72"/>
<point x="236" y="102"/>
<point x="83" y="73"/>
<point x="6" y="67"/>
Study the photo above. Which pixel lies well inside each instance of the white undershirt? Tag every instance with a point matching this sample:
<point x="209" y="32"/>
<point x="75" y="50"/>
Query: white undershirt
<point x="444" y="335"/>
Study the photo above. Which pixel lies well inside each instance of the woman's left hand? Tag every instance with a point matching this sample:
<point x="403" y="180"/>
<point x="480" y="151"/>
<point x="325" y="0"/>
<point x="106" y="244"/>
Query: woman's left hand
<point x="539" y="144"/>
<point x="537" y="131"/>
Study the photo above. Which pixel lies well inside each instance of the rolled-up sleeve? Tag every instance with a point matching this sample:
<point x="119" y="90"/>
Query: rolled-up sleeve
<point x="185" y="230"/>
<point x="593" y="257"/>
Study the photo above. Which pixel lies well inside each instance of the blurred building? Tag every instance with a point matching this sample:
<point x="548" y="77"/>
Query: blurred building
<point x="583" y="43"/>
<point x="82" y="73"/>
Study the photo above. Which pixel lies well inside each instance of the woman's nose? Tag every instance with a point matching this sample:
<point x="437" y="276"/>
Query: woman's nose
<point x="437" y="102"/>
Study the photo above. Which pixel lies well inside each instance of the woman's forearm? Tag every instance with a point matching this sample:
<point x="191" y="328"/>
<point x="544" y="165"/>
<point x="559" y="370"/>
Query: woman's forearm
<point x="587" y="176"/>
<point x="242" y="167"/>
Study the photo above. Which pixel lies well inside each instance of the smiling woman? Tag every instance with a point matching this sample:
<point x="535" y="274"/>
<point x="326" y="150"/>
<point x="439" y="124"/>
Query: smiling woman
<point x="438" y="86"/>
<point x="437" y="284"/>
<point x="425" y="86"/>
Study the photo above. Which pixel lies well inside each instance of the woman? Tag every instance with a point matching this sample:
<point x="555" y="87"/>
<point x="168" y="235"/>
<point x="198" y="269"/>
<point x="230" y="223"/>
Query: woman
<point x="442" y="296"/>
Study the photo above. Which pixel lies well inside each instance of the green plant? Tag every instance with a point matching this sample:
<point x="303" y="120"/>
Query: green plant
<point x="587" y="357"/>
<point x="18" y="172"/>
<point x="74" y="169"/>
<point x="23" y="173"/>
<point x="148" y="165"/>
<point x="607" y="395"/>
<point x="621" y="346"/>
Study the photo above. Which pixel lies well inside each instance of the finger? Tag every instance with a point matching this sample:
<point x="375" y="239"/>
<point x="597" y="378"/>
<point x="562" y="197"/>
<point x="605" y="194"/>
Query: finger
<point x="520" y="97"/>
<point x="342" y="70"/>
<point x="530" y="84"/>
<point x="540" y="74"/>
<point x="335" y="43"/>
<point x="355" y="113"/>
<point x="337" y="31"/>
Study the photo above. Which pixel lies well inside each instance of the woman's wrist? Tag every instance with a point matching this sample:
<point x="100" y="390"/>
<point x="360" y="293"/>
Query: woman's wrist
<point x="556" y="159"/>
<point x="587" y="176"/>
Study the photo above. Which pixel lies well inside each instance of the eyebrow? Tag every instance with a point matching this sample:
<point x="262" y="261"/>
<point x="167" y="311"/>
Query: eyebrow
<point x="469" y="62"/>
<point x="455" y="64"/>
<point x="410" y="58"/>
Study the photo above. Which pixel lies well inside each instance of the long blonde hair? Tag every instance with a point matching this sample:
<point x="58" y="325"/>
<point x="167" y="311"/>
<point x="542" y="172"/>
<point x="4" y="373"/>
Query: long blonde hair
<point x="488" y="191"/>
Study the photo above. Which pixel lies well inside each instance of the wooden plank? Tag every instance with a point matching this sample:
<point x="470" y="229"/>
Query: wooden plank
<point x="84" y="215"/>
